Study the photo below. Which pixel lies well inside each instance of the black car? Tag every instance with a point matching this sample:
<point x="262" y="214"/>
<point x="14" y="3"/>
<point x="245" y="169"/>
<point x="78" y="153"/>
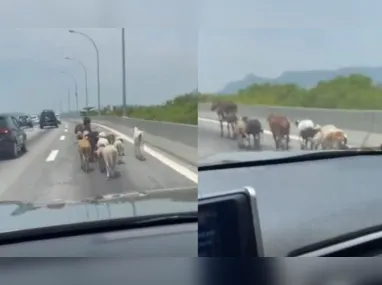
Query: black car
<point x="25" y="121"/>
<point x="12" y="136"/>
<point x="48" y="118"/>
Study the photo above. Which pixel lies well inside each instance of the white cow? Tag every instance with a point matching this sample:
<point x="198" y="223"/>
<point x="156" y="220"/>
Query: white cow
<point x="306" y="130"/>
<point x="109" y="154"/>
<point x="120" y="147"/>
<point x="330" y="137"/>
<point x="102" y="140"/>
<point x="138" y="138"/>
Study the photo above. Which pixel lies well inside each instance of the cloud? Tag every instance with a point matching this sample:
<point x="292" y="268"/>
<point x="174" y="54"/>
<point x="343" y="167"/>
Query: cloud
<point x="291" y="14"/>
<point x="160" y="64"/>
<point x="230" y="54"/>
<point x="172" y="46"/>
<point x="99" y="13"/>
<point x="161" y="51"/>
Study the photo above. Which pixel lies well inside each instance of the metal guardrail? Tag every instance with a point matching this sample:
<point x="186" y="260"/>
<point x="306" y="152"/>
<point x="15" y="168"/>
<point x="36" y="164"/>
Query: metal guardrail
<point x="358" y="120"/>
<point x="186" y="134"/>
<point x="180" y="140"/>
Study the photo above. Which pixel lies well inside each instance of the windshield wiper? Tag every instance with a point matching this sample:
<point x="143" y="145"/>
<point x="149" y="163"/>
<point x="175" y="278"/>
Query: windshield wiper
<point x="95" y="227"/>
<point x="178" y="218"/>
<point x="298" y="157"/>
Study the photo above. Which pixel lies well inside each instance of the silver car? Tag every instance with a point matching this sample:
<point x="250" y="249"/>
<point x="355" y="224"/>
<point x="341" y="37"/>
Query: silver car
<point x="35" y="119"/>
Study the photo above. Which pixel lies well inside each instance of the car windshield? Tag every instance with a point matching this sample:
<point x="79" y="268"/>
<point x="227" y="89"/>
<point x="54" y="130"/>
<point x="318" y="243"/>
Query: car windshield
<point x="3" y="122"/>
<point x="292" y="105"/>
<point x="151" y="127"/>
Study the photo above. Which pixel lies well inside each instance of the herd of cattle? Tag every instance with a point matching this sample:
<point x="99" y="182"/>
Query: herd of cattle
<point x="312" y="136"/>
<point x="107" y="149"/>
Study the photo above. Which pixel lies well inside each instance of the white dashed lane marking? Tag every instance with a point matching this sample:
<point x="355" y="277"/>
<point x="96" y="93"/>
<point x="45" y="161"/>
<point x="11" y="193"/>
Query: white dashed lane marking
<point x="52" y="156"/>
<point x="62" y="138"/>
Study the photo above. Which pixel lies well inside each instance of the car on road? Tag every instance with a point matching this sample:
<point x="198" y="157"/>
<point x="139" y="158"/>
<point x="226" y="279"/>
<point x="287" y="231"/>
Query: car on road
<point x="12" y="136"/>
<point x="25" y="121"/>
<point x="35" y="119"/>
<point x="58" y="118"/>
<point x="48" y="119"/>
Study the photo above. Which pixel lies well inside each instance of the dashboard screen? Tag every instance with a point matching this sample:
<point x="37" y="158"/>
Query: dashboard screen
<point x="225" y="227"/>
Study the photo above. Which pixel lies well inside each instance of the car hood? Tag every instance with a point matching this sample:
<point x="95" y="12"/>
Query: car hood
<point x="16" y="215"/>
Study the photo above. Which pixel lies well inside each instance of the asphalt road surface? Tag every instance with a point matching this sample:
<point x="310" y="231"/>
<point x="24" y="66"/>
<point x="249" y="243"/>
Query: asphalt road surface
<point x="210" y="142"/>
<point x="50" y="170"/>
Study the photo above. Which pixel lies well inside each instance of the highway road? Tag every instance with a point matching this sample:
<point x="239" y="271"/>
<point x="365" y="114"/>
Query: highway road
<point x="210" y="142"/>
<point x="50" y="170"/>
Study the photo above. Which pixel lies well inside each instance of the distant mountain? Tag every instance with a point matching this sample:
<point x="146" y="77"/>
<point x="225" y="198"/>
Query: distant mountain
<point x="306" y="79"/>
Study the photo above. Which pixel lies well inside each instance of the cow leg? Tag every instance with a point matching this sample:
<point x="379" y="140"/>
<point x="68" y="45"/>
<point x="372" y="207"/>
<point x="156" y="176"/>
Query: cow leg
<point x="141" y="151"/>
<point x="274" y="139"/>
<point x="302" y="143"/>
<point x="101" y="164"/>
<point x="239" y="141"/>
<point x="287" y="142"/>
<point x="108" y="171"/>
<point x="86" y="166"/>
<point x="277" y="142"/>
<point x="228" y="130"/>
<point x="81" y="161"/>
<point x="221" y="128"/>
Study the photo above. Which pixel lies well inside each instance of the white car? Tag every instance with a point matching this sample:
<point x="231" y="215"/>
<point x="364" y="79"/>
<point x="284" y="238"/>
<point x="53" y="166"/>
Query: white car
<point x="35" y="119"/>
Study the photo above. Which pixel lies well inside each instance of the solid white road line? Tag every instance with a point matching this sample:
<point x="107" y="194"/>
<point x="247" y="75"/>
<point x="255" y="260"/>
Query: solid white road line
<point x="62" y="138"/>
<point x="162" y="158"/>
<point x="52" y="155"/>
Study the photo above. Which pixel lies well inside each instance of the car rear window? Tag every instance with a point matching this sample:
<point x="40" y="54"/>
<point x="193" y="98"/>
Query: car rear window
<point x="3" y="122"/>
<point x="23" y="117"/>
<point x="48" y="114"/>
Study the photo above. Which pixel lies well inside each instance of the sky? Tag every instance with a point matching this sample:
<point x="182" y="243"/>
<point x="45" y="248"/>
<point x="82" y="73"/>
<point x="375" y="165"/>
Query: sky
<point x="173" y="46"/>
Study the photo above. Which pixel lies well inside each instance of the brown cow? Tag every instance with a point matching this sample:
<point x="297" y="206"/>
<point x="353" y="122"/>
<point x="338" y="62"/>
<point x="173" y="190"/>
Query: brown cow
<point x="84" y="150"/>
<point x="226" y="112"/>
<point x="335" y="139"/>
<point x="280" y="128"/>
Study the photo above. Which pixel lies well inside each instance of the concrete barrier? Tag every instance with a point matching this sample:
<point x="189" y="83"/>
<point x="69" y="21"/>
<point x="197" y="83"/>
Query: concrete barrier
<point x="358" y="120"/>
<point x="180" y="140"/>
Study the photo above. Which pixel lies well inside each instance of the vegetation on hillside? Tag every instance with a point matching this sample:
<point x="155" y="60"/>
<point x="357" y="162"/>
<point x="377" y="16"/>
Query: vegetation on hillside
<point x="182" y="109"/>
<point x="351" y="92"/>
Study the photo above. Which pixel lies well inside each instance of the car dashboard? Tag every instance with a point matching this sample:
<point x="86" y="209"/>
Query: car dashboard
<point x="325" y="207"/>
<point x="128" y="246"/>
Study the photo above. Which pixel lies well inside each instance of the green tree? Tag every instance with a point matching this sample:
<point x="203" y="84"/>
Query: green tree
<point x="351" y="92"/>
<point x="182" y="109"/>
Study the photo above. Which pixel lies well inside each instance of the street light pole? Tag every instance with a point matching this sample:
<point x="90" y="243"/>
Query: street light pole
<point x="123" y="74"/>
<point x="86" y="79"/>
<point x="76" y="86"/>
<point x="97" y="53"/>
